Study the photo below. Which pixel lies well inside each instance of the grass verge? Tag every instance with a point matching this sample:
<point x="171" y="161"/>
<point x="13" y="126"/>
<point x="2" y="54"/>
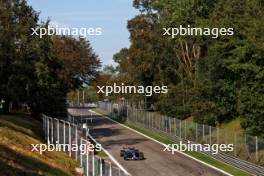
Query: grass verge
<point x="17" y="133"/>
<point x="197" y="155"/>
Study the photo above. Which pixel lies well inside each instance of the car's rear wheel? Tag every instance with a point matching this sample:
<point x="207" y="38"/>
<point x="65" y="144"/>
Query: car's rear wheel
<point x="141" y="155"/>
<point x="122" y="152"/>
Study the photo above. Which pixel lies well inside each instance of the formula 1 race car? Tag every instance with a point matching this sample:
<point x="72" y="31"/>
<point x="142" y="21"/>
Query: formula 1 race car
<point x="131" y="153"/>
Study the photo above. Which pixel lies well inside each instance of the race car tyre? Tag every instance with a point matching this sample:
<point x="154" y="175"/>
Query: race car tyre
<point x="141" y="156"/>
<point x="122" y="152"/>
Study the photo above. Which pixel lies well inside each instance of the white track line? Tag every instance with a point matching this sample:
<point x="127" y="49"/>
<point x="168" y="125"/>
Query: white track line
<point x="222" y="171"/>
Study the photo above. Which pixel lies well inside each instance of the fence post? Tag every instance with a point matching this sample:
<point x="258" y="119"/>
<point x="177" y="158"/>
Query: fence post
<point x="93" y="164"/>
<point x="110" y="169"/>
<point x="81" y="160"/>
<point x="45" y="127"/>
<point x="217" y="131"/>
<point x="127" y="111"/>
<point x="196" y="131"/>
<point x="64" y="131"/>
<point x="203" y="132"/>
<point x="257" y="158"/>
<point x="170" y="124"/>
<point x="180" y="129"/>
<point x="48" y="131"/>
<point x="152" y="120"/>
<point x="58" y="131"/>
<point x="210" y="131"/>
<point x="185" y="128"/>
<point x="136" y="115"/>
<point x="235" y="144"/>
<point x="225" y="137"/>
<point x="87" y="161"/>
<point x="52" y="130"/>
<point x="43" y="124"/>
<point x="174" y="119"/>
<point x="166" y="120"/>
<point x="69" y="125"/>
<point x="149" y="120"/>
<point x="101" y="167"/>
<point x="76" y="135"/>
<point x="160" y="123"/>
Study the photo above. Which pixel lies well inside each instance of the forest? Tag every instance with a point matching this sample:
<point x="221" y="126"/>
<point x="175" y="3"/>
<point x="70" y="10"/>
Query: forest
<point x="213" y="80"/>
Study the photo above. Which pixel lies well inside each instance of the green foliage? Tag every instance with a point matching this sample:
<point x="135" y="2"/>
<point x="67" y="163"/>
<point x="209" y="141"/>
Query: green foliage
<point x="223" y="77"/>
<point x="32" y="70"/>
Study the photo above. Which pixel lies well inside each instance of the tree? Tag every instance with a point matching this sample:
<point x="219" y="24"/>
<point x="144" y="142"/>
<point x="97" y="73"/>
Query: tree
<point x="79" y="61"/>
<point x="39" y="71"/>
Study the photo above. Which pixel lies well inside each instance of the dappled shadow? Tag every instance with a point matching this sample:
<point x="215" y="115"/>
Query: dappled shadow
<point x="80" y="118"/>
<point x="104" y="132"/>
<point x="13" y="123"/>
<point x="101" y="121"/>
<point x="14" y="163"/>
<point x="123" y="142"/>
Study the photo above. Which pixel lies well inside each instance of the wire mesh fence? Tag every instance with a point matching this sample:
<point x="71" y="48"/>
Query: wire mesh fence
<point x="245" y="147"/>
<point x="72" y="138"/>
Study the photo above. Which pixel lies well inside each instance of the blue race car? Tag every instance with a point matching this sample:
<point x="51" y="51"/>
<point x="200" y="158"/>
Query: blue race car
<point x="131" y="153"/>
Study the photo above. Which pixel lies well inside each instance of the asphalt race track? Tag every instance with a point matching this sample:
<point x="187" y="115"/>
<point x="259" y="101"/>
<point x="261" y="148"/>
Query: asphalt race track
<point x="113" y="137"/>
